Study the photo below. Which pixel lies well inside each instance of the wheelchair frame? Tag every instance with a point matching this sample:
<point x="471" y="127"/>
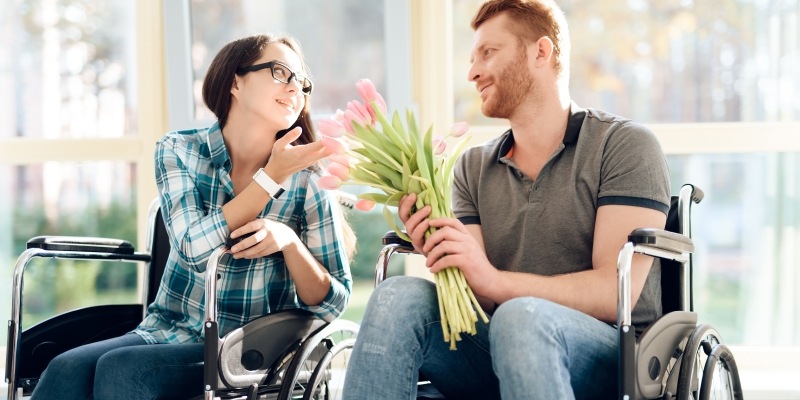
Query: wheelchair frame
<point x="304" y="341"/>
<point x="664" y="362"/>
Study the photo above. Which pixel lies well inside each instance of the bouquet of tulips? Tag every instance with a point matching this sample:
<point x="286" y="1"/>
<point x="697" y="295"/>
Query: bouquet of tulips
<point x="394" y="158"/>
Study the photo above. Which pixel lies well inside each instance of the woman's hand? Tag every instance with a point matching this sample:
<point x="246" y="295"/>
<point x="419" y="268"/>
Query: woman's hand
<point x="268" y="237"/>
<point x="287" y="159"/>
<point x="417" y="223"/>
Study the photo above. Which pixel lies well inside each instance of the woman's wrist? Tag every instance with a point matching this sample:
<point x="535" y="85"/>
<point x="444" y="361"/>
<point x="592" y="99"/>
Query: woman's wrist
<point x="273" y="173"/>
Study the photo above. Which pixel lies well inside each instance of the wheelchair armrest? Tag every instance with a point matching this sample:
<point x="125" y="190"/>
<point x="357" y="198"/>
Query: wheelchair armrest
<point x="392" y="238"/>
<point x="662" y="239"/>
<point x="392" y="243"/>
<point x="81" y="244"/>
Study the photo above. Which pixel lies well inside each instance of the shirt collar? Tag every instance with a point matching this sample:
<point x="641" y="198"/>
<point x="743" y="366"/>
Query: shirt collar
<point x="216" y="146"/>
<point x="574" y="123"/>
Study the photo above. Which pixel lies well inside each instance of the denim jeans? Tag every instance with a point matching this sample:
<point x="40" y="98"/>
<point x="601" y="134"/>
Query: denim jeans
<point x="532" y="349"/>
<point x="124" y="368"/>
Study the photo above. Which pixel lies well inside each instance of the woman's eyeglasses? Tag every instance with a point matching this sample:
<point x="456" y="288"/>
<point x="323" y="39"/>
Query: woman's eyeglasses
<point x="281" y="73"/>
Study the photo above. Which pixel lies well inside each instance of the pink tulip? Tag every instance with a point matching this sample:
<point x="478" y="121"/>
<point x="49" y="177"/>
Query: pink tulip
<point x="348" y="126"/>
<point x="333" y="144"/>
<point x="341" y="158"/>
<point x="330" y="182"/>
<point x="331" y="128"/>
<point x="459" y="129"/>
<point x="359" y="109"/>
<point x="354" y="118"/>
<point x="338" y="170"/>
<point x="365" y="205"/>
<point x="381" y="105"/>
<point x="367" y="90"/>
<point x="439" y="145"/>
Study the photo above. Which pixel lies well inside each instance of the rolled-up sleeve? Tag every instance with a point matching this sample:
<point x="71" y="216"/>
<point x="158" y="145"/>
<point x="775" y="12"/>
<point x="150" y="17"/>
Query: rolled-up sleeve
<point x="324" y="239"/>
<point x="192" y="229"/>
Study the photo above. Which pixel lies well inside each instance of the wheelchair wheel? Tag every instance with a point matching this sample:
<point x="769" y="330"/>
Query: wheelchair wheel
<point x="708" y="369"/>
<point x="317" y="369"/>
<point x="327" y="380"/>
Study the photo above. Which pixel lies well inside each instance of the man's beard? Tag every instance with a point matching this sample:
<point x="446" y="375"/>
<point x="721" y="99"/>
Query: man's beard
<point x="512" y="85"/>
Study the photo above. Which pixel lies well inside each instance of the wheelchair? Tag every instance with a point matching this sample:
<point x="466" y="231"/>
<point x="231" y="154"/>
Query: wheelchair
<point x="284" y="355"/>
<point x="674" y="358"/>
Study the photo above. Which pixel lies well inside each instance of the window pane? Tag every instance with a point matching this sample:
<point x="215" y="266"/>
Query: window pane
<point x="746" y="237"/>
<point x="61" y="198"/>
<point x="688" y="61"/>
<point x="67" y="69"/>
<point x="342" y="41"/>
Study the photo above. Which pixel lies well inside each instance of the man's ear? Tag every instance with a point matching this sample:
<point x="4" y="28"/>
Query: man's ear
<point x="543" y="51"/>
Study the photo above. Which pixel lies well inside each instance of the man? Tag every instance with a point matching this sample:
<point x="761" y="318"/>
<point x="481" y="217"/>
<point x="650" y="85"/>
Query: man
<point x="542" y="212"/>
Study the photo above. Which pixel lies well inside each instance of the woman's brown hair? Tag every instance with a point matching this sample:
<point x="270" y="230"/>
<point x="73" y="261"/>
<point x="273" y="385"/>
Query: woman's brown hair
<point x="243" y="53"/>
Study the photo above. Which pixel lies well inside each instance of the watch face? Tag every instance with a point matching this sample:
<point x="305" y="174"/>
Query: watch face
<point x="278" y="193"/>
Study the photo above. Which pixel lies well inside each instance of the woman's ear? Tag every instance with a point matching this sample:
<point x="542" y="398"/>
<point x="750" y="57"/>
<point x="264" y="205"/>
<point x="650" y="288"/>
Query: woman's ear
<point x="235" y="85"/>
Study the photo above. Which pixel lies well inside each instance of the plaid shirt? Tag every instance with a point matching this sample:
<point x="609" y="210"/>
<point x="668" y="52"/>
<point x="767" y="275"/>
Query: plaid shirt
<point x="192" y="173"/>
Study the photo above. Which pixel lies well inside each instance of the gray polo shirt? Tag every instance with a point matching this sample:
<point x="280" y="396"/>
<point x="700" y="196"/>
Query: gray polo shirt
<point x="546" y="226"/>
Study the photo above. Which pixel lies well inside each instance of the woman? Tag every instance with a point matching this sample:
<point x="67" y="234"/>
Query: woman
<point x="220" y="183"/>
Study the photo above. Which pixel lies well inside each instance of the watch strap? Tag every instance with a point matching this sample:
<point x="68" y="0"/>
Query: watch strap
<point x="272" y="188"/>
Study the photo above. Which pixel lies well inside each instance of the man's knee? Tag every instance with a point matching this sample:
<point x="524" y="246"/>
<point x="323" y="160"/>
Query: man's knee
<point x="404" y="294"/>
<point x="525" y="319"/>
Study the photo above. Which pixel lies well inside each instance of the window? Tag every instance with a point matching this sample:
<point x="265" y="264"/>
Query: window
<point x="69" y="143"/>
<point x="342" y="42"/>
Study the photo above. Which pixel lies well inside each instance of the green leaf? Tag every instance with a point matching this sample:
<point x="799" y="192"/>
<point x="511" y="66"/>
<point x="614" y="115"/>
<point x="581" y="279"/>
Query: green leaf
<point x="397" y="124"/>
<point x="393" y="134"/>
<point x="378" y="148"/>
<point x="379" y="198"/>
<point x="385" y="172"/>
<point x="390" y="218"/>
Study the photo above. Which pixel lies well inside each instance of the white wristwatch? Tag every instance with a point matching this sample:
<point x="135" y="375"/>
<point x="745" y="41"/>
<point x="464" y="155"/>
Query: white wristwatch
<point x="272" y="188"/>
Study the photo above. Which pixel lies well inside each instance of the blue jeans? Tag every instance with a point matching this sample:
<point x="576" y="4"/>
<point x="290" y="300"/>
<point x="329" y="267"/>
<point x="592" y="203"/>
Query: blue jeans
<point x="532" y="349"/>
<point x="124" y="368"/>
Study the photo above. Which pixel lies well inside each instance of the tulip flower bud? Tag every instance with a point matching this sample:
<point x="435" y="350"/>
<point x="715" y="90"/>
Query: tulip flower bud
<point x="341" y="158"/>
<point x="330" y="182"/>
<point x="365" y="205"/>
<point x="459" y="129"/>
<point x="348" y="126"/>
<point x="367" y="90"/>
<point x="338" y="170"/>
<point x="439" y="145"/>
<point x="331" y="128"/>
<point x="333" y="144"/>
<point x="360" y="110"/>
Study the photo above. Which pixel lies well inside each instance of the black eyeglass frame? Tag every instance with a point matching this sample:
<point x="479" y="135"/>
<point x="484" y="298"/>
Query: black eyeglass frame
<point x="271" y="65"/>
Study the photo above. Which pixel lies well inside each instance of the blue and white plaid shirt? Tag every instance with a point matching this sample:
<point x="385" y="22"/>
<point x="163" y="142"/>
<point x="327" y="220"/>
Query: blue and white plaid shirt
<point x="192" y="173"/>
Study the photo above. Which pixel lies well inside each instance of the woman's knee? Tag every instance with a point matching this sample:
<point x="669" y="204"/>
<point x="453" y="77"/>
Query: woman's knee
<point x="75" y="361"/>
<point x="117" y="372"/>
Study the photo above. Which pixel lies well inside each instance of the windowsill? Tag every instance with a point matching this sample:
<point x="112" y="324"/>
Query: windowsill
<point x="768" y="373"/>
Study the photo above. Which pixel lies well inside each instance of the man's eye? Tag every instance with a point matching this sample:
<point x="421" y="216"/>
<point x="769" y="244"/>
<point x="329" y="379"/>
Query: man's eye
<point x="487" y="52"/>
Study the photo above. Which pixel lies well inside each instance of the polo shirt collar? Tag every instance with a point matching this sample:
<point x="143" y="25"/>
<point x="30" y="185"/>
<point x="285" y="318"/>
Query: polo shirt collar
<point x="574" y="123"/>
